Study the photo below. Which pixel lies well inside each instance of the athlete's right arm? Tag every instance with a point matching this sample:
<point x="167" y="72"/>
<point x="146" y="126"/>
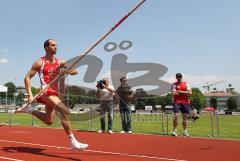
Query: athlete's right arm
<point x="35" y="67"/>
<point x="173" y="90"/>
<point x="71" y="71"/>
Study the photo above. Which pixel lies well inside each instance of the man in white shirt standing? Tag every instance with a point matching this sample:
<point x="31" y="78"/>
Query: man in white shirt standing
<point x="105" y="93"/>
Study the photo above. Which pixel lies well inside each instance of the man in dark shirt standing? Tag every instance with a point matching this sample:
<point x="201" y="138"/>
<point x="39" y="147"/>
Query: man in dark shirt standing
<point x="124" y="93"/>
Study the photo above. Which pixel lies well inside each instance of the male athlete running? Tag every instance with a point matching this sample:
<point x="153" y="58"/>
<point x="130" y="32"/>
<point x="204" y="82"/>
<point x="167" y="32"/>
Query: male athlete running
<point x="48" y="68"/>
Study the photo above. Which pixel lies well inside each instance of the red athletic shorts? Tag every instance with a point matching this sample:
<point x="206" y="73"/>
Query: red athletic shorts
<point x="49" y="92"/>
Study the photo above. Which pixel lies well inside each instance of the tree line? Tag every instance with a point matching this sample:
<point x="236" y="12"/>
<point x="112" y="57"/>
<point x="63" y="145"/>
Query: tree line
<point x="76" y="95"/>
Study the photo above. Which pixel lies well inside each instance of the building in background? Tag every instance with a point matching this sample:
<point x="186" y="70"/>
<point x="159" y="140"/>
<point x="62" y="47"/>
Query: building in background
<point x="221" y="99"/>
<point x="20" y="89"/>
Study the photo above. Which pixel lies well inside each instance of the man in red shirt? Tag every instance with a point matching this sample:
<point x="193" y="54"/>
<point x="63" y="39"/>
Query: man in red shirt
<point x="180" y="91"/>
<point x="48" y="68"/>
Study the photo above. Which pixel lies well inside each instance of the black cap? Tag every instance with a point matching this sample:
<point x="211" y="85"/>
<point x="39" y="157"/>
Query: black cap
<point x="178" y="75"/>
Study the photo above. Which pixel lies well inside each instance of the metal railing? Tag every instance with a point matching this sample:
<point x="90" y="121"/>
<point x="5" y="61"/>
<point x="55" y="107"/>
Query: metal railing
<point x="210" y="124"/>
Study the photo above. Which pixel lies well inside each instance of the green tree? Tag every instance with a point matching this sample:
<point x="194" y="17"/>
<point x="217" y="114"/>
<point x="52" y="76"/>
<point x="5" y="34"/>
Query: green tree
<point x="11" y="89"/>
<point x="75" y="90"/>
<point x="168" y="99"/>
<point x="232" y="103"/>
<point x="150" y="101"/>
<point x="140" y="93"/>
<point x="139" y="99"/>
<point x="159" y="100"/>
<point x="92" y="93"/>
<point x="213" y="102"/>
<point x="197" y="99"/>
<point x="74" y="100"/>
<point x="19" y="99"/>
<point x="140" y="103"/>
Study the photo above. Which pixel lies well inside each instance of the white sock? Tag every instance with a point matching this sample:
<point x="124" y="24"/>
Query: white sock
<point x="71" y="136"/>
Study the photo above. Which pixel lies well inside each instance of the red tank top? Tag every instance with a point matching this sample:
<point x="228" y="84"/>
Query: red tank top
<point x="48" y="72"/>
<point x="183" y="98"/>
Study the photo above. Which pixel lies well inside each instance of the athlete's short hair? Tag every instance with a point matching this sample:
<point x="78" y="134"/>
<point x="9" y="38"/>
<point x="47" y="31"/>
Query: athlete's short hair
<point x="46" y="43"/>
<point x="179" y="75"/>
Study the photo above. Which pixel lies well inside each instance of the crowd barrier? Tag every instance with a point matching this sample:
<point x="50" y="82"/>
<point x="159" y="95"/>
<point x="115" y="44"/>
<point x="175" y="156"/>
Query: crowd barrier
<point x="210" y="124"/>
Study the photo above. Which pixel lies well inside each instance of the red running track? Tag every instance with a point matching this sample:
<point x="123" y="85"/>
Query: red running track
<point x="19" y="143"/>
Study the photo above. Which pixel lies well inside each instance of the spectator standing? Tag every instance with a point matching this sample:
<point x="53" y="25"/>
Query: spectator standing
<point x="106" y="92"/>
<point x="124" y="93"/>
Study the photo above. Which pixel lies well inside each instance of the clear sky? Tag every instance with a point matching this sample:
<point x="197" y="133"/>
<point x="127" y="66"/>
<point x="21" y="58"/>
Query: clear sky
<point x="198" y="38"/>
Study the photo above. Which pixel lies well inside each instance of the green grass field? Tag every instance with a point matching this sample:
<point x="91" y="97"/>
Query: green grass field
<point x="229" y="126"/>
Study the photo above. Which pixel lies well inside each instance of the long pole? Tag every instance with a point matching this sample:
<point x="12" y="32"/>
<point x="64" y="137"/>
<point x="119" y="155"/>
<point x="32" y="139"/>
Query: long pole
<point x="89" y="49"/>
<point x="106" y="34"/>
<point x="163" y="116"/>
<point x="211" y="118"/>
<point x="6" y="99"/>
<point x="217" y="122"/>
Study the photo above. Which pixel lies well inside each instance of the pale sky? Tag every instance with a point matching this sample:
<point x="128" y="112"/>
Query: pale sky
<point x="197" y="38"/>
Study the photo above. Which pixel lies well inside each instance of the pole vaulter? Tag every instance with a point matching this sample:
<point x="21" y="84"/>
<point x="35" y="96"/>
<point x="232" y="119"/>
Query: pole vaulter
<point x="86" y="52"/>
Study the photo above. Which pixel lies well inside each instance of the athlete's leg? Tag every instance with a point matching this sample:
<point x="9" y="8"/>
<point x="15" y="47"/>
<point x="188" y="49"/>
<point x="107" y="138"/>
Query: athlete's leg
<point x="185" y="111"/>
<point x="184" y="121"/>
<point x="64" y="111"/>
<point x="175" y="121"/>
<point x="49" y="115"/>
<point x="176" y="110"/>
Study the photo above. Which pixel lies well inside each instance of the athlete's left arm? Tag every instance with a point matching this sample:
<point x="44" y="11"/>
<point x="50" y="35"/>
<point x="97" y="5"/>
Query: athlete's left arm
<point x="71" y="71"/>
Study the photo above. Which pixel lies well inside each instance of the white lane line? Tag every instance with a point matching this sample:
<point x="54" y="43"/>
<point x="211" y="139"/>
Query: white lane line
<point x="95" y="151"/>
<point x="135" y="155"/>
<point x="5" y="158"/>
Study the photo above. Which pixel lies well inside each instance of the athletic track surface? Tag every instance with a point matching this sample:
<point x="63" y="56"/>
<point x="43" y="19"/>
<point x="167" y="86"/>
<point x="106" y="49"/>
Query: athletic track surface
<point x="18" y="143"/>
